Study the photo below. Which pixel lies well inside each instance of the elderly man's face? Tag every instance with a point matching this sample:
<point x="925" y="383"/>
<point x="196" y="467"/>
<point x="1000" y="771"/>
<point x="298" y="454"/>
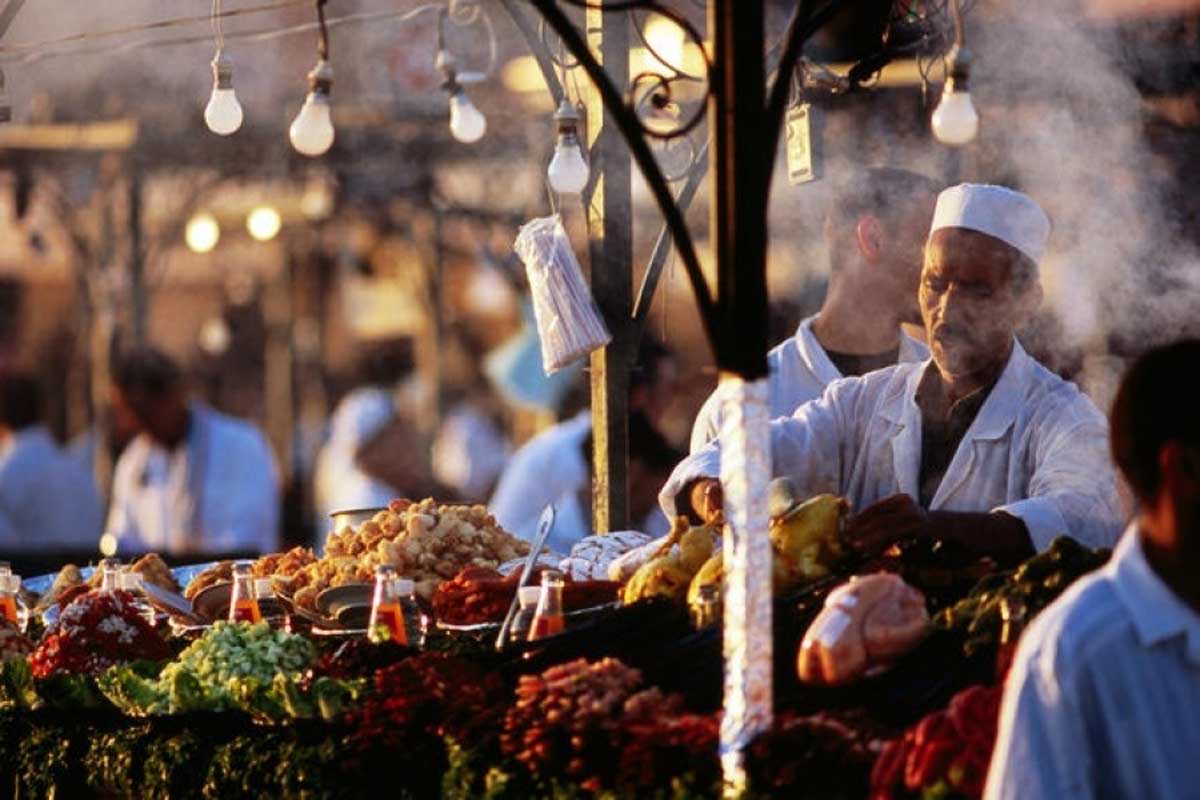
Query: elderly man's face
<point x="968" y="301"/>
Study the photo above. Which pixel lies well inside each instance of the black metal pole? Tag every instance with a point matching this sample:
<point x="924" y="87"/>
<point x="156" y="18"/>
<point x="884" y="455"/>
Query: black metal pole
<point x="741" y="175"/>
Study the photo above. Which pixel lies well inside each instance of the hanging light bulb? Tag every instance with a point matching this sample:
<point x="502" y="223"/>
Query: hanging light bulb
<point x="223" y="114"/>
<point x="467" y="124"/>
<point x="568" y="171"/>
<point x="312" y="130"/>
<point x="955" y="121"/>
<point x="202" y="233"/>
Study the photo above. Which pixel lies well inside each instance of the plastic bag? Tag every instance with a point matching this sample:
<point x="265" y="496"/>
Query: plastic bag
<point x="568" y="322"/>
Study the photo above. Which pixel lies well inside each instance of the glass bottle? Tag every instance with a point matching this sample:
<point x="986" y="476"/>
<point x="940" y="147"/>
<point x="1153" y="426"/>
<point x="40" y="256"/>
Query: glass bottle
<point x="548" y="619"/>
<point x="110" y="574"/>
<point x="271" y="609"/>
<point x="243" y="607"/>
<point x="387" y="615"/>
<point x="527" y="598"/>
<point x="11" y="607"/>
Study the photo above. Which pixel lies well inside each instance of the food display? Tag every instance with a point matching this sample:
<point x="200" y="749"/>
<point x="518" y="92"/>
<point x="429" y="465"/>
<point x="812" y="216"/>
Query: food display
<point x="283" y="566"/>
<point x="866" y="623"/>
<point x="626" y="703"/>
<point x="424" y="541"/>
<point x="13" y="643"/>
<point x="670" y="570"/>
<point x="1030" y="587"/>
<point x="478" y="595"/>
<point x="946" y="753"/>
<point x="96" y="631"/>
<point x="229" y="658"/>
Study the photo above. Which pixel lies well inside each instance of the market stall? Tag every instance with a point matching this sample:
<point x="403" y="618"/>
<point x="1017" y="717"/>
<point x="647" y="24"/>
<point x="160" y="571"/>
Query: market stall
<point x="887" y="672"/>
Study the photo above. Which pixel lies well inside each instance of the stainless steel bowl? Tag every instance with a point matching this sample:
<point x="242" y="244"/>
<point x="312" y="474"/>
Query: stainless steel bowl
<point x="353" y="517"/>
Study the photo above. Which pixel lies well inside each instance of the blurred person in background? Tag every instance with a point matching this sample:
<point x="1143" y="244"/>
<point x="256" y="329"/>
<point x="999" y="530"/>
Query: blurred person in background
<point x="1103" y="699"/>
<point x="193" y="481"/>
<point x="553" y="466"/>
<point x="875" y="232"/>
<point x="47" y="501"/>
<point x="374" y="453"/>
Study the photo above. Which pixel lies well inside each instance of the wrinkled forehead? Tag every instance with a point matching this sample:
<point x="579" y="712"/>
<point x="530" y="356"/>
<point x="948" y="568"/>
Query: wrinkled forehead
<point x="968" y="253"/>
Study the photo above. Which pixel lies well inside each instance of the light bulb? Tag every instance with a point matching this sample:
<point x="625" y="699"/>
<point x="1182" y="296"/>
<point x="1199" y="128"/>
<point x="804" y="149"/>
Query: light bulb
<point x="467" y="125"/>
<point x="223" y="114"/>
<point x="202" y="233"/>
<point x="312" y="130"/>
<point x="568" y="172"/>
<point x="263" y="223"/>
<point x="955" y="121"/>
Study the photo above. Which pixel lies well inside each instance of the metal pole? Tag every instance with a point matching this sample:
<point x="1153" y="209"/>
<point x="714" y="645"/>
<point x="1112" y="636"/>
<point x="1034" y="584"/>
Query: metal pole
<point x="741" y="172"/>
<point x="610" y="245"/>
<point x="137" y="260"/>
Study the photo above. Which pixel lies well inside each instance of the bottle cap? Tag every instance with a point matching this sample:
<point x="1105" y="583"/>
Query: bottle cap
<point x="242" y="567"/>
<point x="405" y="586"/>
<point x="551" y="576"/>
<point x="528" y="596"/>
<point x="262" y="588"/>
<point x="385" y="571"/>
<point x="130" y="581"/>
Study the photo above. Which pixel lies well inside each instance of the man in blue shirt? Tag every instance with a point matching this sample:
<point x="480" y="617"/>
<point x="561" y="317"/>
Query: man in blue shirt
<point x="1104" y="695"/>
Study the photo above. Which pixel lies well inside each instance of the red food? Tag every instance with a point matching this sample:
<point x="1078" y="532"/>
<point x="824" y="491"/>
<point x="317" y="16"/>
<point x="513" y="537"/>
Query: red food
<point x="96" y="631"/>
<point x="952" y="746"/>
<point x="478" y="594"/>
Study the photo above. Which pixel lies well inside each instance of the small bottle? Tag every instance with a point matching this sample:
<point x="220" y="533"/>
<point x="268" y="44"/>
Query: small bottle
<point x="271" y="609"/>
<point x="706" y="610"/>
<point x="548" y="619"/>
<point x="11" y="607"/>
<point x="387" y="614"/>
<point x="110" y="574"/>
<point x="522" y="623"/>
<point x="243" y="607"/>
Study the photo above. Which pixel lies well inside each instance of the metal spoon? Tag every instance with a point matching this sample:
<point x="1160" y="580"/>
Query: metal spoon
<point x="545" y="524"/>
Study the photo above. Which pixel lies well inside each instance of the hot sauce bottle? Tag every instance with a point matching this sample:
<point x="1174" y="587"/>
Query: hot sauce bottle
<point x="387" y="614"/>
<point x="243" y="606"/>
<point x="548" y="619"/>
<point x="9" y="611"/>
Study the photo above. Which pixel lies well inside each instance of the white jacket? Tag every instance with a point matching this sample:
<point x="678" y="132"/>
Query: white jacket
<point x="47" y="500"/>
<point x="218" y="493"/>
<point x="800" y="369"/>
<point x="1038" y="450"/>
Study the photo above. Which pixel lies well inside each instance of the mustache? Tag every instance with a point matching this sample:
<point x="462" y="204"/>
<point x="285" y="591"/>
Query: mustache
<point x="951" y="331"/>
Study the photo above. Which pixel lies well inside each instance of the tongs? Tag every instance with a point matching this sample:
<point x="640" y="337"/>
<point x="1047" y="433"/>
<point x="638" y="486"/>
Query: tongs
<point x="545" y="524"/>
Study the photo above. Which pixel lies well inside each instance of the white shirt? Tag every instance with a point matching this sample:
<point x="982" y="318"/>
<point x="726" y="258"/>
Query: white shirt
<point x="550" y="469"/>
<point x="799" y="370"/>
<point x="1038" y="450"/>
<point x="339" y="483"/>
<point x="1103" y="699"/>
<point x="47" y="501"/>
<point x="218" y="492"/>
<point x="469" y="452"/>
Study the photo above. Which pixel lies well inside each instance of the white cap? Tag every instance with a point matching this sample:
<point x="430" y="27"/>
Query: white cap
<point x="529" y="595"/>
<point x="262" y="588"/>
<point x="1010" y="216"/>
<point x="405" y="586"/>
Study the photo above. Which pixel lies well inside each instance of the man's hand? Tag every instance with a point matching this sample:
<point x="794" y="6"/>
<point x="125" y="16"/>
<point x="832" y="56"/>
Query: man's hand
<point x="705" y="501"/>
<point x="892" y="519"/>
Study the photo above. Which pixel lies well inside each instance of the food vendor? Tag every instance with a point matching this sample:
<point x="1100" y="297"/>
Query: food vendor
<point x="1103" y="699"/>
<point x="981" y="445"/>
<point x="874" y="231"/>
<point x="192" y="480"/>
<point x="47" y="500"/>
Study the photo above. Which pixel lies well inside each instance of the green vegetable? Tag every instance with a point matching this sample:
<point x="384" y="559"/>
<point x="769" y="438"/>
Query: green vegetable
<point x="16" y="685"/>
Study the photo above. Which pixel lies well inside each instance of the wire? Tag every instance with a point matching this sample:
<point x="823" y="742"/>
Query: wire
<point x="216" y="24"/>
<point x="167" y="24"/>
<point x="251" y="36"/>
